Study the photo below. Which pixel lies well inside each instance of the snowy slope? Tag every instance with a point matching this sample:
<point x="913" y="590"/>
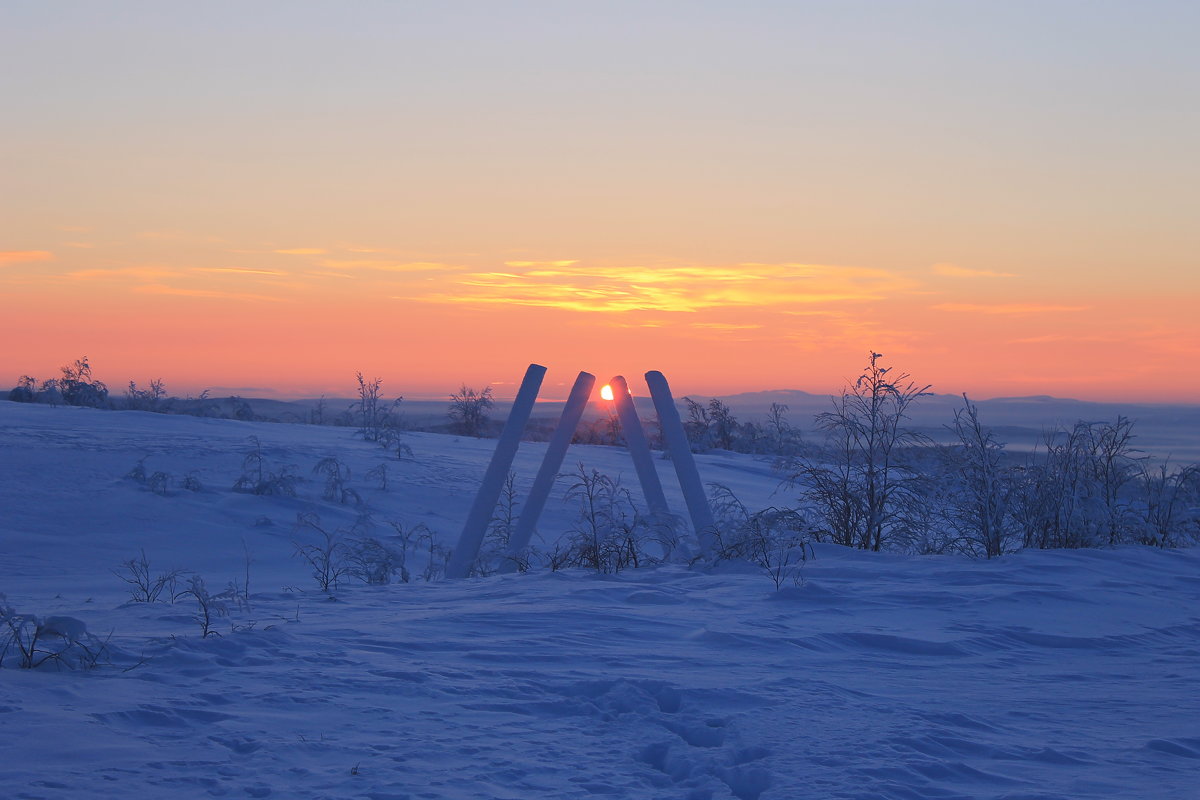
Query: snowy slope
<point x="1039" y="675"/>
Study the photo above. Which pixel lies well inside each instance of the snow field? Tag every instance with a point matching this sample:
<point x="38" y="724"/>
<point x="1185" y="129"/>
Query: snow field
<point x="1039" y="675"/>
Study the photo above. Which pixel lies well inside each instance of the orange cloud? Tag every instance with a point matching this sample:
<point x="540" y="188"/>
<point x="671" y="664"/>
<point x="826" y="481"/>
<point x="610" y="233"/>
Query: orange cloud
<point x="302" y="251"/>
<point x="24" y="256"/>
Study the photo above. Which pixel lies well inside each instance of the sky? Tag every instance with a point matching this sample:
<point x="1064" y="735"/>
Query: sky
<point x="264" y="198"/>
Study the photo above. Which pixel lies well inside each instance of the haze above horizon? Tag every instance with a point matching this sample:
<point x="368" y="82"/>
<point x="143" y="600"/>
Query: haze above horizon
<point x="1000" y="197"/>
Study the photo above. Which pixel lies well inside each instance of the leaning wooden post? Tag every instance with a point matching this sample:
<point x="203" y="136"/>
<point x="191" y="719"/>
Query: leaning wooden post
<point x="639" y="450"/>
<point x="685" y="464"/>
<point x="543" y="482"/>
<point x="480" y="515"/>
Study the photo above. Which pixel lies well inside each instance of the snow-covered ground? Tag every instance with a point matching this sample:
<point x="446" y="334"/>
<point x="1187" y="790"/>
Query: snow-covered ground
<point x="1038" y="675"/>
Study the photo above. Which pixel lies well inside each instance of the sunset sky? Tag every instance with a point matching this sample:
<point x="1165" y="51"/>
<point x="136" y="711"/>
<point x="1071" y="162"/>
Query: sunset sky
<point x="1001" y="197"/>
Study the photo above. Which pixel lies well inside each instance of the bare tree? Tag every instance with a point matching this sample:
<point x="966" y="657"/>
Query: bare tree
<point x="468" y="410"/>
<point x="153" y="398"/>
<point x="859" y="485"/>
<point x="374" y="414"/>
<point x="1172" y="504"/>
<point x="976" y="505"/>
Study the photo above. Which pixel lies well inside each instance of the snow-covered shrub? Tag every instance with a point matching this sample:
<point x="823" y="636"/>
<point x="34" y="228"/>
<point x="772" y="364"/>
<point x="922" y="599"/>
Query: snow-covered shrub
<point x="375" y="417"/>
<point x="260" y="477"/>
<point x="31" y="641"/>
<point x="336" y="474"/>
<point x="138" y="473"/>
<point x="391" y="439"/>
<point x="776" y="540"/>
<point x="1079" y="491"/>
<point x="379" y="473"/>
<point x="79" y="388"/>
<point x="1170" y="506"/>
<point x="468" y="410"/>
<point x="159" y="482"/>
<point x="208" y="606"/>
<point x="25" y="391"/>
<point x="976" y="488"/>
<point x="495" y="541"/>
<point x="146" y="589"/>
<point x="327" y="555"/>
<point x="153" y="398"/>
<point x="374" y="561"/>
<point x="857" y="484"/>
<point x="609" y="534"/>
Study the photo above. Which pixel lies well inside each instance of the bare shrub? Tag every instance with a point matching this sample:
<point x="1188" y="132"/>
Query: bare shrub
<point x="609" y="533"/>
<point x="153" y="398"/>
<point x="468" y="410"/>
<point x="776" y="540"/>
<point x="39" y="641"/>
<point x="327" y="555"/>
<point x="979" y="488"/>
<point x="208" y="606"/>
<point x="858" y="484"/>
<point x="143" y="588"/>
<point x="379" y="473"/>
<point x="336" y="474"/>
<point x="1171" y="505"/>
<point x="1078" y="491"/>
<point x="78" y="387"/>
<point x="375" y="562"/>
<point x="260" y="477"/>
<point x="25" y="391"/>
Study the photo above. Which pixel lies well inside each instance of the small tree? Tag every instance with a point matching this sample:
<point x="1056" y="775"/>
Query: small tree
<point x="79" y="388"/>
<point x="374" y="414"/>
<point x="1172" y="504"/>
<point x="784" y="440"/>
<point x="976" y="505"/>
<point x="697" y="426"/>
<point x="25" y="391"/>
<point x="153" y="398"/>
<point x="724" y="425"/>
<point x="468" y="410"/>
<point x="858" y="486"/>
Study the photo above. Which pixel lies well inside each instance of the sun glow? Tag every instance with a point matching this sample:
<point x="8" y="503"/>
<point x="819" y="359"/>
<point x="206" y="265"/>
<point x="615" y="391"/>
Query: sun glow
<point x="606" y="392"/>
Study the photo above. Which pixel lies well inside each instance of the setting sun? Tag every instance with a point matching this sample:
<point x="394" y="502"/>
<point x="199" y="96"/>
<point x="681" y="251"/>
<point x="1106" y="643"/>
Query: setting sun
<point x="606" y="392"/>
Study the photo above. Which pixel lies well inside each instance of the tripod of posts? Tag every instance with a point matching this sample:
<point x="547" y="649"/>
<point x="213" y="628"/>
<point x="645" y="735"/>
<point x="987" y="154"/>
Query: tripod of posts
<point x="480" y="514"/>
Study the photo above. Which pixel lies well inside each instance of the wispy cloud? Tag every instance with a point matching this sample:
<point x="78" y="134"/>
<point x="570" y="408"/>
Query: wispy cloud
<point x="955" y="271"/>
<point x="1061" y="338"/>
<point x="320" y="273"/>
<point x="113" y="273"/>
<point x="671" y="288"/>
<point x="565" y="263"/>
<point x="389" y="265"/>
<point x="302" y="251"/>
<point x="1007" y="308"/>
<point x="163" y="289"/>
<point x="726" y="326"/>
<point x="241" y="271"/>
<point x="24" y="256"/>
